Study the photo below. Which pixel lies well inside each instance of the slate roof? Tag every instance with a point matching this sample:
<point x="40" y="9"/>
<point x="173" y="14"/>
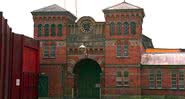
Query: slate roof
<point x="147" y="42"/>
<point x="121" y="6"/>
<point x="163" y="59"/>
<point x="51" y="8"/>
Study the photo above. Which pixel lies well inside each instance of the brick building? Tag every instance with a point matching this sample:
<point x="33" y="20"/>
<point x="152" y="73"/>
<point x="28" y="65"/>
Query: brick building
<point x="85" y="58"/>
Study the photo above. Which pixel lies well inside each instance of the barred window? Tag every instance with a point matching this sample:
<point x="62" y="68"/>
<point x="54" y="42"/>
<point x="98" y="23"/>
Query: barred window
<point x="39" y="30"/>
<point x="118" y="74"/>
<point x="53" y="31"/>
<point x="52" y="53"/>
<point x="152" y="79"/>
<point x="133" y="28"/>
<point x="125" y="53"/>
<point x="60" y="30"/>
<point x="181" y="80"/>
<point x="126" y="80"/>
<point x="118" y="50"/>
<point x="122" y="79"/>
<point x="119" y="28"/>
<point x="173" y="80"/>
<point x="46" y="51"/>
<point x="159" y="79"/>
<point x="126" y="28"/>
<point x="112" y="28"/>
<point x="46" y="29"/>
<point x="118" y="79"/>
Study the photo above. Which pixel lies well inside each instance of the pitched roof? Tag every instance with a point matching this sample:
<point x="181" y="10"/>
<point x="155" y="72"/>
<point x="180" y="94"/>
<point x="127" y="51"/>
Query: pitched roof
<point x="51" y="8"/>
<point x="163" y="59"/>
<point x="123" y="5"/>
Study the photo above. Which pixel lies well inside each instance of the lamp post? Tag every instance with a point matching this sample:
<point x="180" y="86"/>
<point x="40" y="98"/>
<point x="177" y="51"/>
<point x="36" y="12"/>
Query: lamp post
<point x="83" y="48"/>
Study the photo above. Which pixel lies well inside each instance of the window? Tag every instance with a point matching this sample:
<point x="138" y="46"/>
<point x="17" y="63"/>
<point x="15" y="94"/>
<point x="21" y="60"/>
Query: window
<point x="112" y="28"/>
<point x="118" y="51"/>
<point x="133" y="28"/>
<point x="122" y="50"/>
<point x="46" y="51"/>
<point x="119" y="28"/>
<point x="53" y="31"/>
<point x="125" y="53"/>
<point x="118" y="79"/>
<point x="122" y="79"/>
<point x="46" y="30"/>
<point x="181" y="80"/>
<point x="159" y="79"/>
<point x="151" y="79"/>
<point x="155" y="79"/>
<point x="39" y="30"/>
<point x="126" y="28"/>
<point x="60" y="30"/>
<point x="118" y="74"/>
<point x="173" y="80"/>
<point x="52" y="53"/>
<point x="125" y="79"/>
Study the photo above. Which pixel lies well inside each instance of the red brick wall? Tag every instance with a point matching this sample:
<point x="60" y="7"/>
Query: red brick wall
<point x="52" y="67"/>
<point x="110" y="81"/>
<point x="50" y="20"/>
<point x="166" y="81"/>
<point x="54" y="74"/>
<point x="130" y="63"/>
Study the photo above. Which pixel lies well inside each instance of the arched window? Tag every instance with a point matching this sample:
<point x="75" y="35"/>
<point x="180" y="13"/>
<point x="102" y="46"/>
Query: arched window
<point x="126" y="28"/>
<point x="112" y="28"/>
<point x="46" y="29"/>
<point x="53" y="30"/>
<point x="40" y="30"/>
<point x="60" y="30"/>
<point x="133" y="28"/>
<point x="159" y="79"/>
<point x="119" y="28"/>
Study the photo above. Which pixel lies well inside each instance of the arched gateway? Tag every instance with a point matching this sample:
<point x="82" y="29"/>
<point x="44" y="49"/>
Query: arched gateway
<point x="87" y="79"/>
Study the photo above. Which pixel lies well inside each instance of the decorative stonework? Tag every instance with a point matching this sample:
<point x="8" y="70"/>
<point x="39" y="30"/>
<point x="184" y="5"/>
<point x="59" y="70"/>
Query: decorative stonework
<point x="110" y="43"/>
<point x="86" y="24"/>
<point x="60" y="43"/>
<point x="134" y="42"/>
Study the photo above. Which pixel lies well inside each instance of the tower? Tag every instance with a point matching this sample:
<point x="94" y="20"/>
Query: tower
<point x="123" y="48"/>
<point x="50" y="28"/>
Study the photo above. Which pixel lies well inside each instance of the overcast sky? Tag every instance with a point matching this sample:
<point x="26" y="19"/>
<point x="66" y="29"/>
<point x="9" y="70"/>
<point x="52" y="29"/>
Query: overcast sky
<point x="164" y="21"/>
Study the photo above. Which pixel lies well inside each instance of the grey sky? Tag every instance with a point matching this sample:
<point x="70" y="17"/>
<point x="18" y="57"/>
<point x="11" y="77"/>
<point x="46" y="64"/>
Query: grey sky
<point x="164" y="20"/>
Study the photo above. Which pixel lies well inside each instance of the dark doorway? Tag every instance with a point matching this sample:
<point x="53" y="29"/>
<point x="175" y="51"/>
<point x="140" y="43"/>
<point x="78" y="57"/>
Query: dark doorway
<point x="87" y="79"/>
<point x="43" y="86"/>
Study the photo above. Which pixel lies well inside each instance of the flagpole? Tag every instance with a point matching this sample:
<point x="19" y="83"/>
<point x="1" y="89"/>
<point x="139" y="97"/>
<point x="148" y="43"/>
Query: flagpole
<point x="76" y="7"/>
<point x="65" y="4"/>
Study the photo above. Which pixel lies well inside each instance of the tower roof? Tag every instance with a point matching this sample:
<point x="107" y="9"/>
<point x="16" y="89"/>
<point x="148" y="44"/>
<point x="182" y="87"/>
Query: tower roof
<point x="51" y="8"/>
<point x="123" y="6"/>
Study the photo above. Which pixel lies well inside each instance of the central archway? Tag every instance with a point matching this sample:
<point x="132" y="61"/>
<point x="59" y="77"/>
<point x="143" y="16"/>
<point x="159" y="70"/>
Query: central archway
<point x="87" y="79"/>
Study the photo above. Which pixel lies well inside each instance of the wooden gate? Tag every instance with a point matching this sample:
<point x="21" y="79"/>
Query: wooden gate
<point x="87" y="79"/>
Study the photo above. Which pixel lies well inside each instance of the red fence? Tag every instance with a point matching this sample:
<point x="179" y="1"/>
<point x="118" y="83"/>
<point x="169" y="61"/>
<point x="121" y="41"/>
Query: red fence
<point x="19" y="64"/>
